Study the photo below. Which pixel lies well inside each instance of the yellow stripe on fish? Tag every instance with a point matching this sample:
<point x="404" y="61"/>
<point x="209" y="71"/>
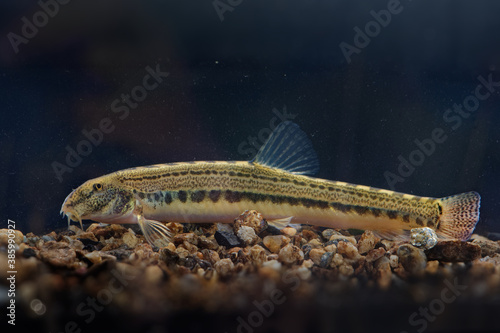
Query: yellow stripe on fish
<point x="275" y="184"/>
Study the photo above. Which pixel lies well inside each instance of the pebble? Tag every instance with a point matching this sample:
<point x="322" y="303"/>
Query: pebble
<point x="315" y="243"/>
<point x="454" y="251"/>
<point x="130" y="239"/>
<point x="337" y="260"/>
<point x="412" y="258"/>
<point x="327" y="233"/>
<point x="274" y="243"/>
<point x="258" y="254"/>
<point x="331" y="248"/>
<point x="432" y="266"/>
<point x="488" y="247"/>
<point x="337" y="238"/>
<point x="153" y="274"/>
<point x="394" y="260"/>
<point x="210" y="256"/>
<point x="224" y="267"/>
<point x="326" y="259"/>
<point x="274" y="264"/>
<point x="227" y="239"/>
<point x="289" y="231"/>
<point x="384" y="273"/>
<point x="291" y="254"/>
<point x="251" y="219"/>
<point x="58" y="254"/>
<point x="346" y="269"/>
<point x="367" y="242"/>
<point x="94" y="256"/>
<point x="247" y="235"/>
<point x="348" y="249"/>
<point x="316" y="254"/>
<point x="189" y="237"/>
<point x="375" y="254"/>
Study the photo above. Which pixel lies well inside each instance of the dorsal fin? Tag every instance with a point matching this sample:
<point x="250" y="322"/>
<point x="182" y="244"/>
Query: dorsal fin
<point x="288" y="148"/>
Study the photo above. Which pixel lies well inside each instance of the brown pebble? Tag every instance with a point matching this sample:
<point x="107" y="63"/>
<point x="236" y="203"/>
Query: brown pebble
<point x="186" y="237"/>
<point x="412" y="258"/>
<point x="274" y="243"/>
<point x="130" y="239"/>
<point x="348" y="250"/>
<point x="224" y="267"/>
<point x="375" y="254"/>
<point x="58" y="254"/>
<point x="289" y="231"/>
<point x="4" y="236"/>
<point x="367" y="242"/>
<point x="454" y="251"/>
<point x="488" y="247"/>
<point x="315" y="255"/>
<point x="291" y="254"/>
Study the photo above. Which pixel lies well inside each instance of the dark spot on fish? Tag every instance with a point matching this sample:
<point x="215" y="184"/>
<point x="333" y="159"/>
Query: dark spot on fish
<point x="198" y="196"/>
<point x="340" y="207"/>
<point x="293" y="201"/>
<point x="184" y="173"/>
<point x="440" y="209"/>
<point x="214" y="172"/>
<point x="321" y="187"/>
<point x="330" y="188"/>
<point x="313" y="185"/>
<point x="285" y="180"/>
<point x="175" y="173"/>
<point x="419" y="221"/>
<point x="182" y="195"/>
<point x="168" y="198"/>
<point x="232" y="173"/>
<point x="376" y="212"/>
<point x="157" y="197"/>
<point x="406" y="218"/>
<point x="322" y="204"/>
<point x="430" y="223"/>
<point x="141" y="195"/>
<point x="150" y="197"/>
<point x="195" y="172"/>
<point x="207" y="172"/>
<point x="307" y="202"/>
<point x="392" y="214"/>
<point x="232" y="196"/>
<point x="214" y="195"/>
<point x="254" y="197"/>
<point x="360" y="210"/>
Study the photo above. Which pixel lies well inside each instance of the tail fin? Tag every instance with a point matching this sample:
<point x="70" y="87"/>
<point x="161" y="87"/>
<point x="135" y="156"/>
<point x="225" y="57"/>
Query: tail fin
<point x="460" y="215"/>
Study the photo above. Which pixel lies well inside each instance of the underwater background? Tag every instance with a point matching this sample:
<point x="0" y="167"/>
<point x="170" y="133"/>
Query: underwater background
<point x="401" y="95"/>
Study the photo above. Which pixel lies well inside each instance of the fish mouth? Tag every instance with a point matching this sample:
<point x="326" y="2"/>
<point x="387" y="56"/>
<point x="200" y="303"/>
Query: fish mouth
<point x="68" y="211"/>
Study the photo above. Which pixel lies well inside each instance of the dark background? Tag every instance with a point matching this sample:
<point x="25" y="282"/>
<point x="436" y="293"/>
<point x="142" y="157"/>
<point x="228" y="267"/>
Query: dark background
<point x="225" y="79"/>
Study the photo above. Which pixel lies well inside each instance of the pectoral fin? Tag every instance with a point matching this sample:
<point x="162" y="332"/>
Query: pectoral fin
<point x="156" y="233"/>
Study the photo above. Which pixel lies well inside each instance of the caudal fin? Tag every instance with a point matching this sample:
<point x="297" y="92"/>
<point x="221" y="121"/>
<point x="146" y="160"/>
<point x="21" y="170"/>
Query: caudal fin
<point x="460" y="215"/>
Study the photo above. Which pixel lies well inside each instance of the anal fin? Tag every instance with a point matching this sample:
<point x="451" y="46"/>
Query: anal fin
<point x="280" y="223"/>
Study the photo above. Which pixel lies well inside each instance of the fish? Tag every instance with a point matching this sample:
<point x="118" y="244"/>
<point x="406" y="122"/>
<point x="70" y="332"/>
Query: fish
<point x="278" y="183"/>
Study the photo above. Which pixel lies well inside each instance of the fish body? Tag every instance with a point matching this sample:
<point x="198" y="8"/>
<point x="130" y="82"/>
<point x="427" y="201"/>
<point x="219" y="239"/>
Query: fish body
<point x="275" y="184"/>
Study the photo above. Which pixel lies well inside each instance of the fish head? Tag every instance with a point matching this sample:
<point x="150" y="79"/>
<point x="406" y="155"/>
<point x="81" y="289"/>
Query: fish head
<point x="100" y="199"/>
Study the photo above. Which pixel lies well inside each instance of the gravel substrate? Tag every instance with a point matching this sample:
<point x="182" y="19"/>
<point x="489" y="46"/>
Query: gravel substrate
<point x="250" y="277"/>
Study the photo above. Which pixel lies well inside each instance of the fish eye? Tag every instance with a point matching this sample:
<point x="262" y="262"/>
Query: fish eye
<point x="97" y="187"/>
